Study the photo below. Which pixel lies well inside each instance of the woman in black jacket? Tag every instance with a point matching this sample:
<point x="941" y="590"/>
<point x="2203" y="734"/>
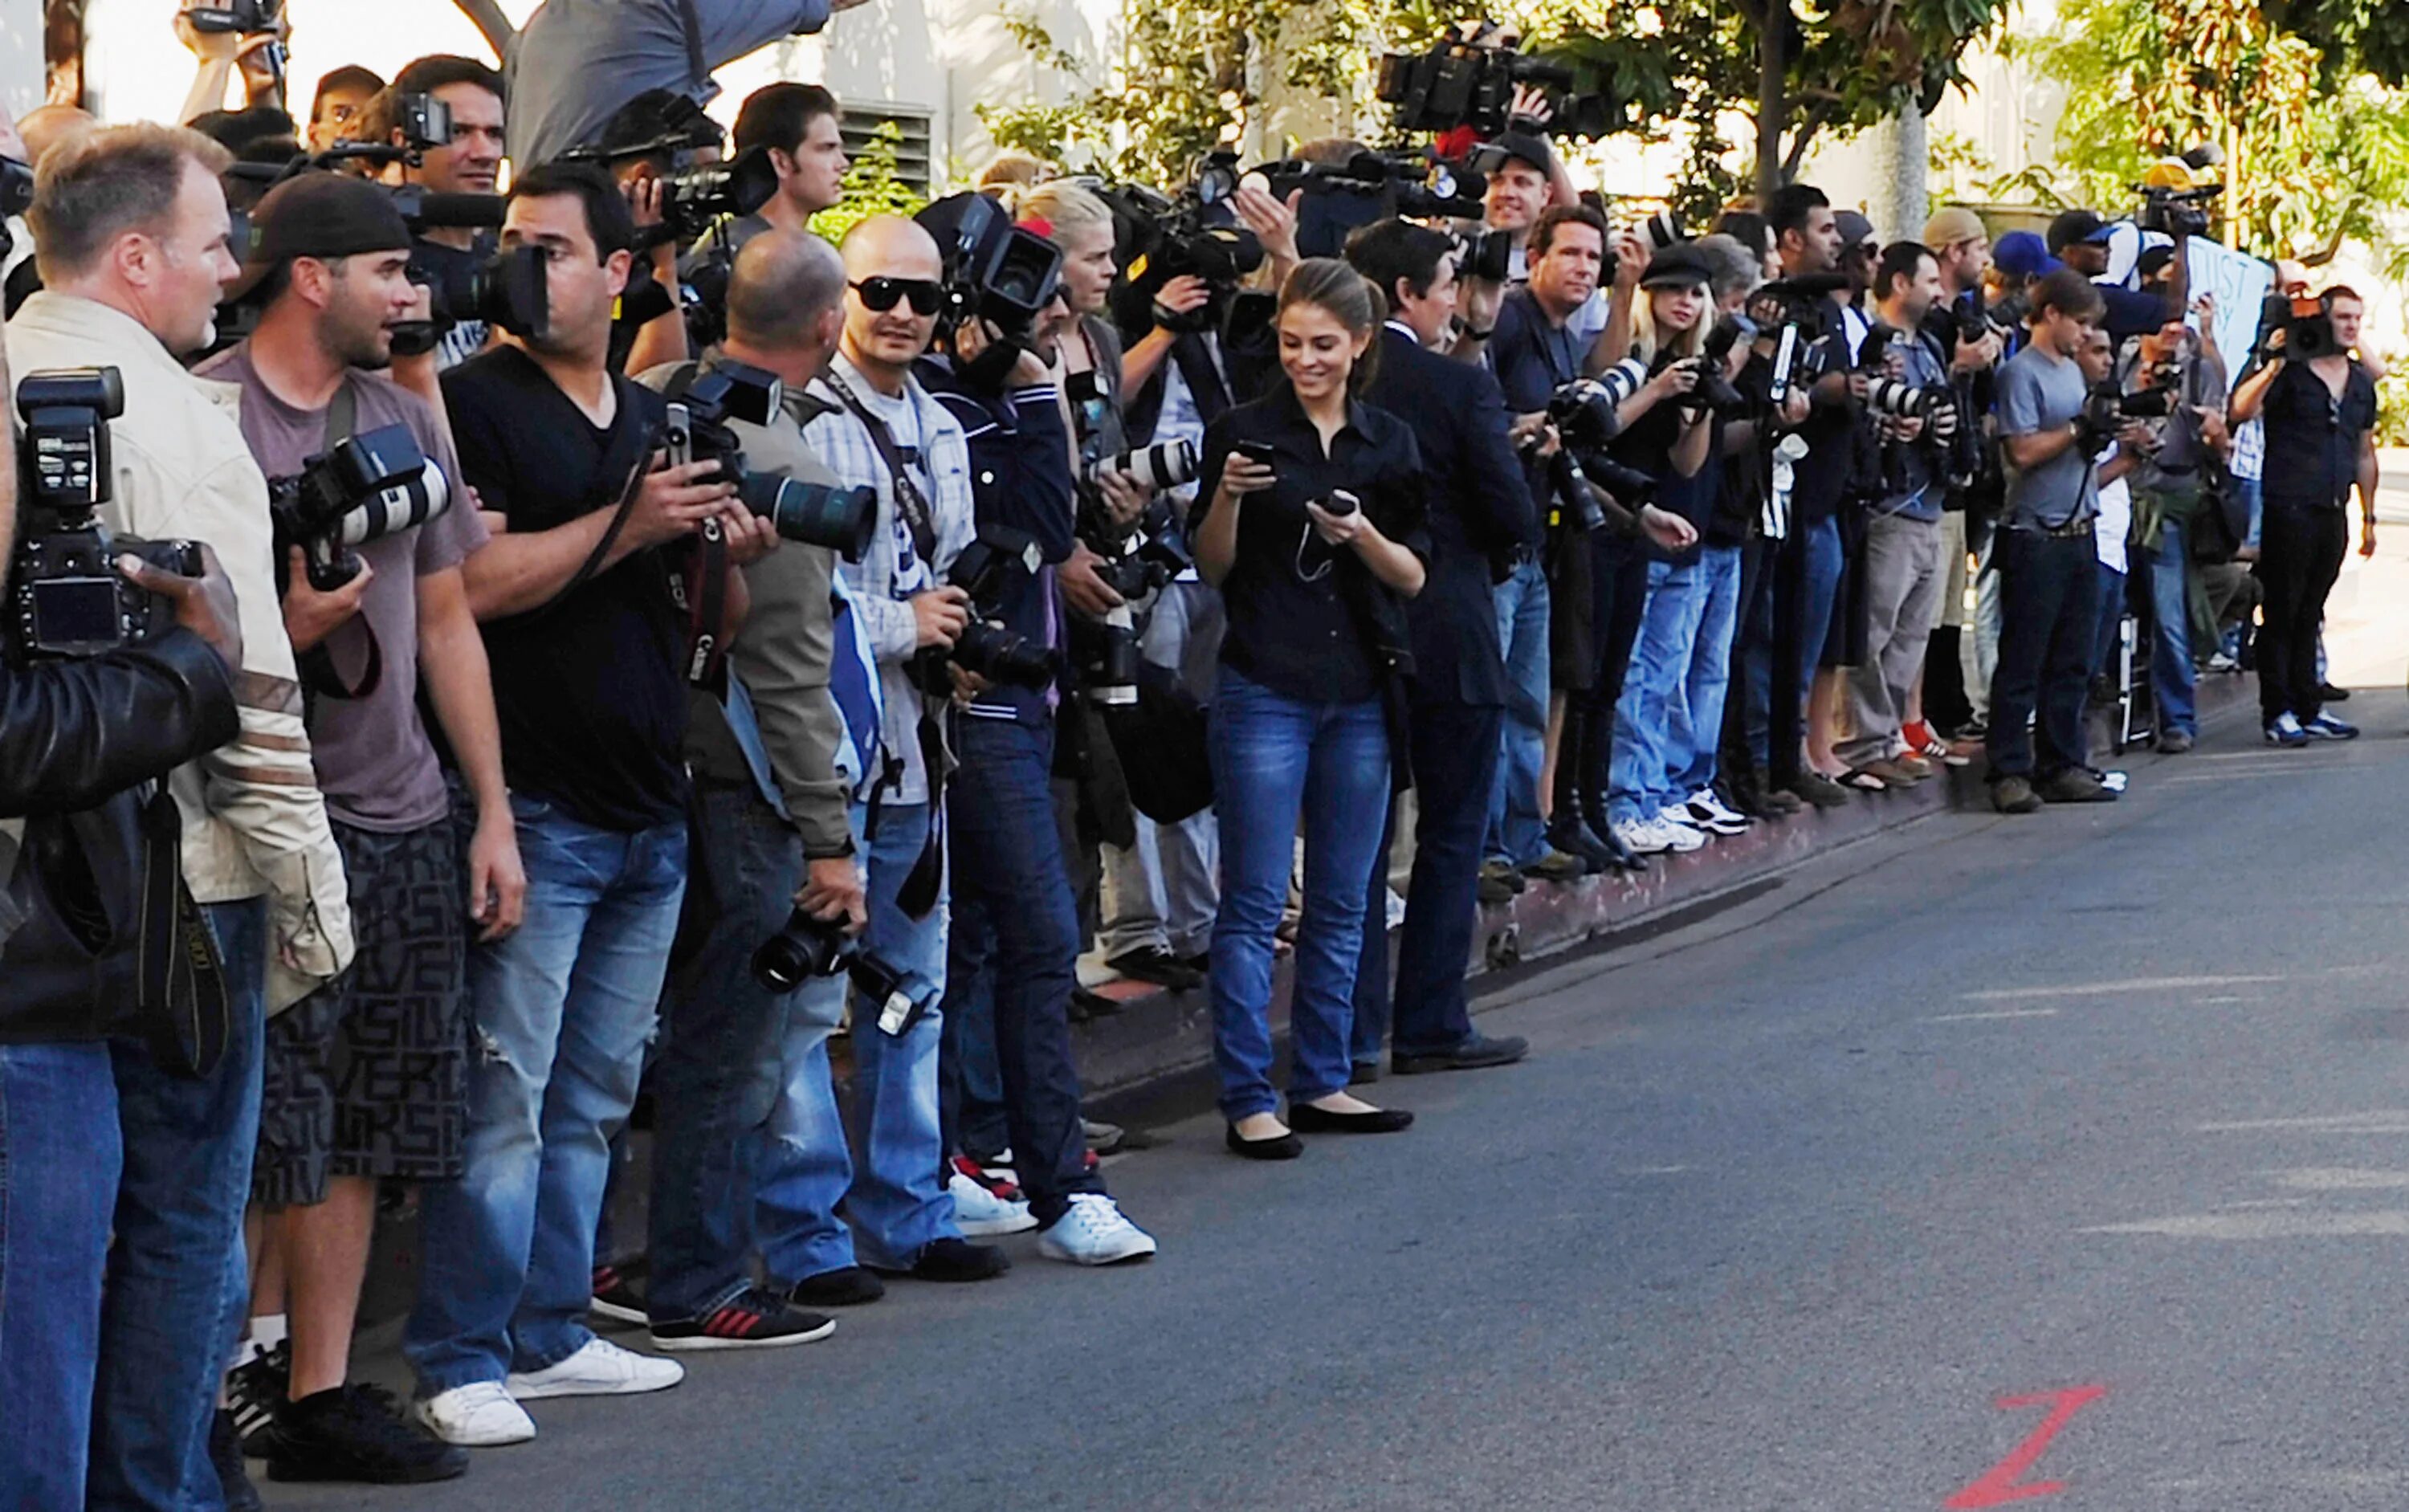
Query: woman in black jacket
<point x="1310" y="522"/>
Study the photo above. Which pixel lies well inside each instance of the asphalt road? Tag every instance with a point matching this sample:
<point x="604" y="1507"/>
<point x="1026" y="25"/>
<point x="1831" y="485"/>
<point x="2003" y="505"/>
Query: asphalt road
<point x="2059" y="1162"/>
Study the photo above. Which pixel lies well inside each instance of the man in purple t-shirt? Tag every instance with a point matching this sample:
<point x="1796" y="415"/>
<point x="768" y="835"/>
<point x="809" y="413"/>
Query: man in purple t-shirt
<point x="365" y="1078"/>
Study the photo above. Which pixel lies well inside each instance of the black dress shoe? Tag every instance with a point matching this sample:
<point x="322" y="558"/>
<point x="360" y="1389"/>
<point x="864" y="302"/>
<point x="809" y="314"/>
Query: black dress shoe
<point x="851" y="1286"/>
<point x="2327" y="693"/>
<point x="1478" y="1051"/>
<point x="1158" y="965"/>
<point x="1278" y="1147"/>
<point x="1574" y="839"/>
<point x="1364" y="1073"/>
<point x="956" y="1260"/>
<point x="1308" y="1119"/>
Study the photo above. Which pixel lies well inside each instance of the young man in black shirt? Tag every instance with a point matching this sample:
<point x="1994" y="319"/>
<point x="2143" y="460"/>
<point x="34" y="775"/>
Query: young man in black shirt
<point x="586" y="645"/>
<point x="2321" y="443"/>
<point x="469" y="164"/>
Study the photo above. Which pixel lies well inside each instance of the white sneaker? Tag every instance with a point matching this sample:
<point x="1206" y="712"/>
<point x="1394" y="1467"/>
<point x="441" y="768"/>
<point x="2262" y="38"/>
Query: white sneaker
<point x="1678" y="820"/>
<point x="1708" y="810"/>
<point x="980" y="1214"/>
<point x="600" y="1369"/>
<point x="1642" y="837"/>
<point x="479" y="1416"/>
<point x="1093" y="1233"/>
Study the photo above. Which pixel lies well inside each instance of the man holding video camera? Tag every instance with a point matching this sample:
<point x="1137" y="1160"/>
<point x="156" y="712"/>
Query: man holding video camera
<point x="579" y="594"/>
<point x="133" y="232"/>
<point x="366" y="1077"/>
<point x="470" y="162"/>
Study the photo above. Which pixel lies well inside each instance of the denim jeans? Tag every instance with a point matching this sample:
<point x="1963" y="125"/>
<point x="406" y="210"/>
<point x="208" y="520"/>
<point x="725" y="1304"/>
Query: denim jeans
<point x="2049" y="603"/>
<point x="1276" y="759"/>
<point x="1517" y="834"/>
<point x="2110" y="639"/>
<point x="1016" y="941"/>
<point x="58" y="1183"/>
<point x="1694" y="720"/>
<point x="2172" y="682"/>
<point x="714" y="1079"/>
<point x="1805" y="578"/>
<point x="176" y="1269"/>
<point x="1660" y="663"/>
<point x="804" y="1168"/>
<point x="2251" y="493"/>
<point x="561" y="1010"/>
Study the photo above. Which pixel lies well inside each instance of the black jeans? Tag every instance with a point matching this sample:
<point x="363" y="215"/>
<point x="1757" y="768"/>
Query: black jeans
<point x="2049" y="612"/>
<point x="2299" y="555"/>
<point x="1619" y="578"/>
<point x="1455" y="765"/>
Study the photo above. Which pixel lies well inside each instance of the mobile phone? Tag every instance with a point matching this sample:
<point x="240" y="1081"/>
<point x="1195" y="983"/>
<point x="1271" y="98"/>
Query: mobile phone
<point x="1259" y="452"/>
<point x="1340" y="503"/>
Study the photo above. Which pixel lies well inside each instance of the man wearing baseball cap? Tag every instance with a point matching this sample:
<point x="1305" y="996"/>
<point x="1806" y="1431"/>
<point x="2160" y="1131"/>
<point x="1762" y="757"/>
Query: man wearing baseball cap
<point x="365" y="1078"/>
<point x="1961" y="249"/>
<point x="2082" y="239"/>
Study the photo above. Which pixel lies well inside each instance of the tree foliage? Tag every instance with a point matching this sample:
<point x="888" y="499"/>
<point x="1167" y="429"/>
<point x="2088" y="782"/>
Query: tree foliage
<point x="872" y="186"/>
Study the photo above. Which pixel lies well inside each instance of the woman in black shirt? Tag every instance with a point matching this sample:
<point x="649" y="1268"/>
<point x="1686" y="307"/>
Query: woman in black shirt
<point x="1310" y="522"/>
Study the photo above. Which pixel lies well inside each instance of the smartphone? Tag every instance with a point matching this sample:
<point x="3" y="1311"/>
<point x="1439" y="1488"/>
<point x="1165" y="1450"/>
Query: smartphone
<point x="1259" y="452"/>
<point x="1340" y="503"/>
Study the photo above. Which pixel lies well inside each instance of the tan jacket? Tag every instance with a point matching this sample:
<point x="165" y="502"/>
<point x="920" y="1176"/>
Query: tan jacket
<point x="253" y="822"/>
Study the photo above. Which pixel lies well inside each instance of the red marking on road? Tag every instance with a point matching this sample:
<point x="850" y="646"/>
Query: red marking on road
<point x="1999" y="1485"/>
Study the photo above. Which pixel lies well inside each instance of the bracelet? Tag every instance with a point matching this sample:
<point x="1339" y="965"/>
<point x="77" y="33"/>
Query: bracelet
<point x="1471" y="335"/>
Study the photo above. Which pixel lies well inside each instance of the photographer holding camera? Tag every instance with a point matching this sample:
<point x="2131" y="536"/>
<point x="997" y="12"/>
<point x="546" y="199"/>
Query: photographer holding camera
<point x="1903" y="572"/>
<point x="133" y="231"/>
<point x="470" y="162"/>
<point x="2319" y="404"/>
<point x="365" y="1078"/>
<point x="586" y="638"/>
<point x="800" y="126"/>
<point x="2170" y="487"/>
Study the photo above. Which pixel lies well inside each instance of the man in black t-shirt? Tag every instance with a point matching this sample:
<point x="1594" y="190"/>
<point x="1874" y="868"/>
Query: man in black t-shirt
<point x="469" y="164"/>
<point x="587" y="648"/>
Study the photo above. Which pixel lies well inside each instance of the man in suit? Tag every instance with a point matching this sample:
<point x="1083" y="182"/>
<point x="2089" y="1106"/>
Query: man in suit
<point x="1480" y="520"/>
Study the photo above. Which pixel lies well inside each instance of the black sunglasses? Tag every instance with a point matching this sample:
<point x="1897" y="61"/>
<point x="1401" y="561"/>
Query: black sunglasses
<point x="882" y="294"/>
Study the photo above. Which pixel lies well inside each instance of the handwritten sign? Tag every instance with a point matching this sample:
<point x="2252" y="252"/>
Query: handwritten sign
<point x="2241" y="284"/>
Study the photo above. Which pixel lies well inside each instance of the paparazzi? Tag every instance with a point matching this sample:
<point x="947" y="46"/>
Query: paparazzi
<point x="1524" y="182"/>
<point x="2081" y="239"/>
<point x="1480" y="518"/>
<point x="2320" y="412"/>
<point x="133" y="231"/>
<point x="772" y="764"/>
<point x="1962" y="247"/>
<point x="341" y="96"/>
<point x="2049" y="572"/>
<point x="799" y="126"/>
<point x="2169" y="491"/>
<point x="469" y="164"/>
<point x="1903" y="536"/>
<point x="585" y="639"/>
<point x="366" y="1077"/>
<point x="883" y="430"/>
<point x="257" y="56"/>
<point x="575" y="62"/>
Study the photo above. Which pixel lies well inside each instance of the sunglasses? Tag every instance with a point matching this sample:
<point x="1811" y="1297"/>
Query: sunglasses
<point x="883" y="293"/>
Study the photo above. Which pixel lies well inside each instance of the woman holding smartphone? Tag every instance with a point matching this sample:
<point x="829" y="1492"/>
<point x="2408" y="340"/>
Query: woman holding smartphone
<point x="1310" y="521"/>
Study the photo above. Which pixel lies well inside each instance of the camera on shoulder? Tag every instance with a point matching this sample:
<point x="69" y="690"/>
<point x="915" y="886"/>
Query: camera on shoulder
<point x="65" y="596"/>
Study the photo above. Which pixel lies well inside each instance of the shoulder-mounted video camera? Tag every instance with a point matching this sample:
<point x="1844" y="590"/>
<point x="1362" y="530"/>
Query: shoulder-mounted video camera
<point x="996" y="272"/>
<point x="1157" y="238"/>
<point x="1370" y="186"/>
<point x="1468" y="79"/>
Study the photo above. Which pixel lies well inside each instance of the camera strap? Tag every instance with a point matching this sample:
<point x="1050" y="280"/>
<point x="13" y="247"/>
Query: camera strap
<point x="181" y="989"/>
<point x="316" y="666"/>
<point x="698" y="584"/>
<point x="918" y="515"/>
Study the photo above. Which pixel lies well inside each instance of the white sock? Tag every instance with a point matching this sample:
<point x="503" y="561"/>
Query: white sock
<point x="266" y="1332"/>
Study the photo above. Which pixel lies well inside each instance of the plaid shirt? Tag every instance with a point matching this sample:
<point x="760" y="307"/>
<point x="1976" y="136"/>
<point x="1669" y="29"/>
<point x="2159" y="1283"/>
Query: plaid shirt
<point x="892" y="570"/>
<point x="2249" y="460"/>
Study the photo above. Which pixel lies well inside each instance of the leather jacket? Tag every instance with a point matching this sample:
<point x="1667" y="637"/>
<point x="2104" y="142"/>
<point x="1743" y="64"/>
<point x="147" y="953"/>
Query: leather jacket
<point x="76" y="739"/>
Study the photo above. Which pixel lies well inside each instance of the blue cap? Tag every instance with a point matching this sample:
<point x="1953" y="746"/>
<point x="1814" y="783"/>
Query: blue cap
<point x="2023" y="254"/>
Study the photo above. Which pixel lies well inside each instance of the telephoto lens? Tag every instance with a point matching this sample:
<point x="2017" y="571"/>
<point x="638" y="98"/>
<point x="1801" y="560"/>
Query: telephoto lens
<point x="804" y="948"/>
<point x="841" y="519"/>
<point x="1163" y="464"/>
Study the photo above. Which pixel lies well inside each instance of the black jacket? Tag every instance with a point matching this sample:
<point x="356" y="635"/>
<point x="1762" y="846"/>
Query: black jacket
<point x="75" y="739"/>
<point x="1479" y="512"/>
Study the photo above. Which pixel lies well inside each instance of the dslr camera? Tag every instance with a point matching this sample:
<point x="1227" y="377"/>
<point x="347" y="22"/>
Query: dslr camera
<point x="989" y="569"/>
<point x="65" y="596"/>
<point x="2107" y="409"/>
<point x="693" y="198"/>
<point x="807" y="947"/>
<point x="363" y="489"/>
<point x="1341" y="197"/>
<point x="816" y="515"/>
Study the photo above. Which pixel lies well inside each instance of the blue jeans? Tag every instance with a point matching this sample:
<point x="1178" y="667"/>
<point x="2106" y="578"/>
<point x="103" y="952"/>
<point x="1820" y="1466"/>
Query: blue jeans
<point x="1016" y="945"/>
<point x="561" y="1011"/>
<point x="1641" y="784"/>
<point x="2251" y="493"/>
<point x="1276" y="758"/>
<point x="2171" y="678"/>
<point x="715" y="1069"/>
<point x="803" y="1166"/>
<point x="2112" y="622"/>
<point x="1807" y="578"/>
<point x="1517" y="834"/>
<point x="1695" y="719"/>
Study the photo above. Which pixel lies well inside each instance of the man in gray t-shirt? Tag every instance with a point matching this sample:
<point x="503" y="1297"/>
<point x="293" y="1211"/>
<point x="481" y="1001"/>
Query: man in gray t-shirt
<point x="2049" y="572"/>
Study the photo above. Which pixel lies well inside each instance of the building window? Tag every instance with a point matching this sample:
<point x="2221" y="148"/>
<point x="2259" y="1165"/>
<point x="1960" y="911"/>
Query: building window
<point x="915" y="159"/>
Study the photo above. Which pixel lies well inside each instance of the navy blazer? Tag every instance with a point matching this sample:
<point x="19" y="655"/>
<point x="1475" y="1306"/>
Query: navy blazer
<point x="1478" y="508"/>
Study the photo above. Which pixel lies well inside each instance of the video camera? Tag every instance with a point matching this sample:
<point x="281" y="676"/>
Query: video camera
<point x="365" y="488"/>
<point x="988" y="570"/>
<point x="2177" y="191"/>
<point x="2306" y="323"/>
<point x="1468" y="79"/>
<point x="1368" y="187"/>
<point x="693" y="198"/>
<point x="245" y="17"/>
<point x="839" y="519"/>
<point x="66" y="598"/>
<point x="808" y="947"/>
<point x="1157" y="238"/>
<point x="996" y="272"/>
<point x="507" y="289"/>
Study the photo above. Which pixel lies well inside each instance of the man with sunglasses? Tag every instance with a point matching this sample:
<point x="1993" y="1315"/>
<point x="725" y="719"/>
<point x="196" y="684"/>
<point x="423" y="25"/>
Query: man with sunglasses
<point x="883" y="430"/>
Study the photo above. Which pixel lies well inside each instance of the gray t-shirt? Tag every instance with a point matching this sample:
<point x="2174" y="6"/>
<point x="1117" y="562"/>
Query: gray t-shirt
<point x="2040" y="393"/>
<point x="376" y="765"/>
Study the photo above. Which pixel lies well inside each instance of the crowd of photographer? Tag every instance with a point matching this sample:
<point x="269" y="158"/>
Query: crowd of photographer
<point x="474" y="656"/>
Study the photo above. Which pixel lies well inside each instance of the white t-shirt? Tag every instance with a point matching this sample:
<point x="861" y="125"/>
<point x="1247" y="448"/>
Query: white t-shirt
<point x="2115" y="519"/>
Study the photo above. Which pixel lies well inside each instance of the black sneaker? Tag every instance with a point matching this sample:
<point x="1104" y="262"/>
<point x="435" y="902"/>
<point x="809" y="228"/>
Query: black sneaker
<point x="850" y="1287"/>
<point x="356" y="1433"/>
<point x="1478" y="1052"/>
<point x="1159" y="966"/>
<point x="619" y="1292"/>
<point x="226" y="1458"/>
<point x="757" y="1319"/>
<point x="254" y="1389"/>
<point x="956" y="1259"/>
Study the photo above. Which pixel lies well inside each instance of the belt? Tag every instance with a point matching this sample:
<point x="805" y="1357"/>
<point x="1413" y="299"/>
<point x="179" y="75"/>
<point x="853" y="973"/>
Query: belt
<point x="2074" y="530"/>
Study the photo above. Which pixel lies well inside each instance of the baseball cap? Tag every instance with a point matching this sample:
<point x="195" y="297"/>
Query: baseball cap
<point x="1951" y="226"/>
<point x="324" y="215"/>
<point x="1526" y="148"/>
<point x="2021" y="254"/>
<point x="2076" y="226"/>
<point x="1856" y="230"/>
<point x="1680" y="263"/>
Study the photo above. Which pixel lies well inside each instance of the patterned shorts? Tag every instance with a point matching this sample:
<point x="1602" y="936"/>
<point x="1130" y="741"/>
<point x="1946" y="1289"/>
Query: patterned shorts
<point x="366" y="1076"/>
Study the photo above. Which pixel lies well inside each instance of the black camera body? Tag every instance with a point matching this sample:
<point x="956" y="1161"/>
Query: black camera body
<point x="507" y="290"/>
<point x="995" y="271"/>
<point x="248" y="17"/>
<point x="1157" y="238"/>
<point x="65" y="596"/>
<point x="989" y="569"/>
<point x="839" y="519"/>
<point x="807" y="947"/>
<point x="2177" y="212"/>
<point x="1462" y="82"/>
<point x="693" y="198"/>
<point x="365" y="488"/>
<point x="1583" y="410"/>
<point x="1340" y="199"/>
